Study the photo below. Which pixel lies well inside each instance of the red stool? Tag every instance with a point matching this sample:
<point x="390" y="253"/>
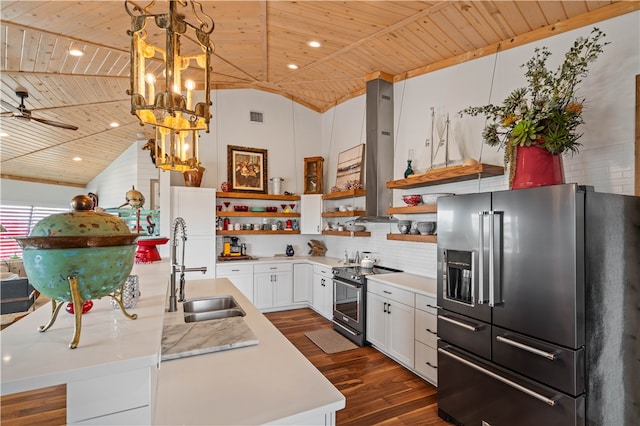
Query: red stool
<point x="147" y="251"/>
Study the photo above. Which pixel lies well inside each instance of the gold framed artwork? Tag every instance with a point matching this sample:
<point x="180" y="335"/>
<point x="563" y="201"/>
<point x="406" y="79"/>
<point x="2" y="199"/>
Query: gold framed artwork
<point x="247" y="169"/>
<point x="350" y="164"/>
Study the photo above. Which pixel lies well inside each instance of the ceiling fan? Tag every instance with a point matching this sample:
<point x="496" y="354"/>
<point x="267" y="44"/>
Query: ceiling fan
<point x="22" y="112"/>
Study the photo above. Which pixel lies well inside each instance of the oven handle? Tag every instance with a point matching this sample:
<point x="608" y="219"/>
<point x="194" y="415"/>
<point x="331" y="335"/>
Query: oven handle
<point x="356" y="287"/>
<point x="549" y="401"/>
<point x="345" y="328"/>
<point x="460" y="323"/>
<point x="549" y="355"/>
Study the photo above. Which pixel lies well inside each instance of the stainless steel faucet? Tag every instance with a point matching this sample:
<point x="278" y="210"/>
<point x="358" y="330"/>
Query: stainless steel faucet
<point x="179" y="224"/>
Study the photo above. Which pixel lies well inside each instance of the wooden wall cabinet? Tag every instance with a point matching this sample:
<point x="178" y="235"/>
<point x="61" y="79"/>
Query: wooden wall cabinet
<point x="313" y="175"/>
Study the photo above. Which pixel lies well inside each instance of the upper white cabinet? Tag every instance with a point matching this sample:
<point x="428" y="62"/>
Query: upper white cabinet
<point x="311" y="214"/>
<point x="197" y="207"/>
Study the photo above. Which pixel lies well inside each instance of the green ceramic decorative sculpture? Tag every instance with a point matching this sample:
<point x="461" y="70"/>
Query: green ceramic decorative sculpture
<point x="78" y="256"/>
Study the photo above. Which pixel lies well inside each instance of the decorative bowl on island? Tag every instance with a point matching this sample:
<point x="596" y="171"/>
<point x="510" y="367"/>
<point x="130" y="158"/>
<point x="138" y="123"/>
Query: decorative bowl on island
<point x="78" y="256"/>
<point x="412" y="200"/>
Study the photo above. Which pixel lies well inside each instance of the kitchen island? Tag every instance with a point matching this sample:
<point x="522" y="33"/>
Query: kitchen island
<point x="115" y="375"/>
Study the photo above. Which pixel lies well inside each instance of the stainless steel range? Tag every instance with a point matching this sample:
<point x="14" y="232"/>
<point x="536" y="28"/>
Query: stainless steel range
<point x="349" y="300"/>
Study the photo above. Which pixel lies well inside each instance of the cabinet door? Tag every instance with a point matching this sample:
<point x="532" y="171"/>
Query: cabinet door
<point x="400" y="332"/>
<point x="311" y="214"/>
<point x="302" y="282"/>
<point x="376" y="320"/>
<point x="282" y="289"/>
<point x="244" y="283"/>
<point x="197" y="206"/>
<point x="322" y="295"/>
<point x="263" y="290"/>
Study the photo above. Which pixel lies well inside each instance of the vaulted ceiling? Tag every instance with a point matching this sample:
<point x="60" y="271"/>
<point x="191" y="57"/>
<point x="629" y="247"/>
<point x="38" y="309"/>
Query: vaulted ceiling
<point x="255" y="41"/>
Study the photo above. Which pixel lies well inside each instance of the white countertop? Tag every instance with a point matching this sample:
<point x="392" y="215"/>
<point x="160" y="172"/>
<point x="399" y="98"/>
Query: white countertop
<point x="109" y="341"/>
<point x="252" y="385"/>
<point x="268" y="382"/>
<point x="416" y="283"/>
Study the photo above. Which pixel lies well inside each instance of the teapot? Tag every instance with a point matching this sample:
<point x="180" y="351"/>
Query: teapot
<point x="367" y="261"/>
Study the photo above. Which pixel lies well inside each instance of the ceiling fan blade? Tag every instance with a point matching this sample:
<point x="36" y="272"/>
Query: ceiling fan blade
<point x="54" y="123"/>
<point x="9" y="106"/>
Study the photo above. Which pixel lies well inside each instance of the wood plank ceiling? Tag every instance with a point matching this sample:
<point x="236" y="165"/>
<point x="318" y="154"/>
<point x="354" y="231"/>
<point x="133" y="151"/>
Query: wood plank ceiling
<point x="255" y="41"/>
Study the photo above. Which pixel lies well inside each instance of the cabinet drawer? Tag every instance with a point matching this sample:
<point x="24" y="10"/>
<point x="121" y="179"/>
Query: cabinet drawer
<point x="391" y="292"/>
<point x="325" y="271"/>
<point x="427" y="362"/>
<point x="227" y="270"/>
<point x="260" y="268"/>
<point x="426" y="328"/>
<point x="427" y="304"/>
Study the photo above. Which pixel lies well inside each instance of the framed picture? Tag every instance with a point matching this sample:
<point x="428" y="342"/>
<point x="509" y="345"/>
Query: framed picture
<point x="350" y="168"/>
<point x="247" y="169"/>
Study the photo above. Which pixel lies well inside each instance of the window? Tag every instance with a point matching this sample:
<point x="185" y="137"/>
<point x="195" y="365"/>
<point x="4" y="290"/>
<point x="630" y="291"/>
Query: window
<point x="18" y="222"/>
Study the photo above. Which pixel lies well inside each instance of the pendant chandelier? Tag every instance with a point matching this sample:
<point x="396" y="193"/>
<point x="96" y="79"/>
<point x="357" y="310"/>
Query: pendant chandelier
<point x="168" y="62"/>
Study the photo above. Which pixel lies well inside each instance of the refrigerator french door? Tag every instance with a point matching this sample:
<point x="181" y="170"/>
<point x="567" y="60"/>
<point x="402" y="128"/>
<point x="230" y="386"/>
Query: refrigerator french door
<point x="512" y="295"/>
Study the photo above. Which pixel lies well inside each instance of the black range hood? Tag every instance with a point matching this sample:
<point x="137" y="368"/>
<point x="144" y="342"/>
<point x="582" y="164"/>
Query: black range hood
<point x="378" y="151"/>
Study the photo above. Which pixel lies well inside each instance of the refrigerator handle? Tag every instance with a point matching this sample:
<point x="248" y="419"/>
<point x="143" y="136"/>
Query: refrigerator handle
<point x="495" y="255"/>
<point x="549" y="401"/>
<point x="481" y="286"/>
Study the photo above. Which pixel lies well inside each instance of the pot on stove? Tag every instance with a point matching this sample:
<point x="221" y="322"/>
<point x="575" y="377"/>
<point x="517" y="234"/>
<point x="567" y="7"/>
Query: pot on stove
<point x="367" y="261"/>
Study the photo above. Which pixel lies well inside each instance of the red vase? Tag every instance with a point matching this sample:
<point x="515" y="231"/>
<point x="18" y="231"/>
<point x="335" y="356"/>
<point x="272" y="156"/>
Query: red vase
<point x="535" y="166"/>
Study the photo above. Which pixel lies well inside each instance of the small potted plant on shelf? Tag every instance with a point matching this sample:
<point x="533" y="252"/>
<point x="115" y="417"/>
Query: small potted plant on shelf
<point x="537" y="124"/>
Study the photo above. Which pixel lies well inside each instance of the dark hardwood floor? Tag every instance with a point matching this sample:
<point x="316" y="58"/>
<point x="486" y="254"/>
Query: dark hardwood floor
<point x="377" y="389"/>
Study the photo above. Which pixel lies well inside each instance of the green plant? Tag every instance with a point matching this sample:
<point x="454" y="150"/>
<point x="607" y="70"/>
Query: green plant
<point x="547" y="112"/>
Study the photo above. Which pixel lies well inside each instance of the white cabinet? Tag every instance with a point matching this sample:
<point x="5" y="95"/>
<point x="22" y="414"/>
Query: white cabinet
<point x="427" y="338"/>
<point x="302" y="282"/>
<point x="323" y="291"/>
<point x="390" y="321"/>
<point x="272" y="285"/>
<point x="197" y="206"/>
<point x="311" y="214"/>
<point x="241" y="275"/>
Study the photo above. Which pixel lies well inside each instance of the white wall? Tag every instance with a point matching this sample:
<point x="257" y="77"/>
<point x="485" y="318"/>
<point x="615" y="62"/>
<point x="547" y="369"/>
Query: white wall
<point x="22" y="193"/>
<point x="133" y="168"/>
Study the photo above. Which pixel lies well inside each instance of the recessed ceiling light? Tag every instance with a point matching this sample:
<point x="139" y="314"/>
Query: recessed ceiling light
<point x="76" y="52"/>
<point x="77" y="159"/>
<point x="114" y="124"/>
<point x="313" y="43"/>
<point x="292" y="66"/>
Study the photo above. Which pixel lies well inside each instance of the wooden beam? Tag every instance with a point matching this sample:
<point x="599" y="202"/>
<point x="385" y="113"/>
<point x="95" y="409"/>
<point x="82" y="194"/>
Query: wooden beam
<point x="49" y="182"/>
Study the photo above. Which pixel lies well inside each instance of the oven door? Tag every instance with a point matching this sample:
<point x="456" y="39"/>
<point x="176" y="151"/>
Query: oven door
<point x="348" y="304"/>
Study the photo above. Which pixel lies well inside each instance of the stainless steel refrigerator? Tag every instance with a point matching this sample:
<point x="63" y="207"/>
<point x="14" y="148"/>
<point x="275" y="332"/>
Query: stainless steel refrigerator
<point x="539" y="307"/>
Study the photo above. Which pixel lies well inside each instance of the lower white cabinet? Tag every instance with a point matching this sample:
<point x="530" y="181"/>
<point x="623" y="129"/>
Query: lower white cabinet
<point x="272" y="285"/>
<point x="241" y="275"/>
<point x="322" y="291"/>
<point x="426" y="338"/>
<point x="302" y="282"/>
<point x="390" y="321"/>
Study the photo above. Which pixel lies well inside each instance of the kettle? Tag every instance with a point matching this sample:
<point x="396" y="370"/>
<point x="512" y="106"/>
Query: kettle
<point x="367" y="261"/>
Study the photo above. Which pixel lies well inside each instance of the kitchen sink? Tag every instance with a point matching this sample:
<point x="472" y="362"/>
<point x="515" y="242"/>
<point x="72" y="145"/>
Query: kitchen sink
<point x="210" y="308"/>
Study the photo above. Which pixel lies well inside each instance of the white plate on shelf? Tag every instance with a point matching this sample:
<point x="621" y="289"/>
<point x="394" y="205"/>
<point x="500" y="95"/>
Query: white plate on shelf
<point x="433" y="198"/>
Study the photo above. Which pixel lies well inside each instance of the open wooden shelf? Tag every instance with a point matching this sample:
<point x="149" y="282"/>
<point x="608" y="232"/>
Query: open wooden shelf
<point x="252" y="196"/>
<point x="347" y="233"/>
<point x="413" y="238"/>
<point x="344" y="194"/>
<point x="256" y="232"/>
<point x="423" y="208"/>
<point x="447" y="175"/>
<point x="355" y="213"/>
<point x="256" y="214"/>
